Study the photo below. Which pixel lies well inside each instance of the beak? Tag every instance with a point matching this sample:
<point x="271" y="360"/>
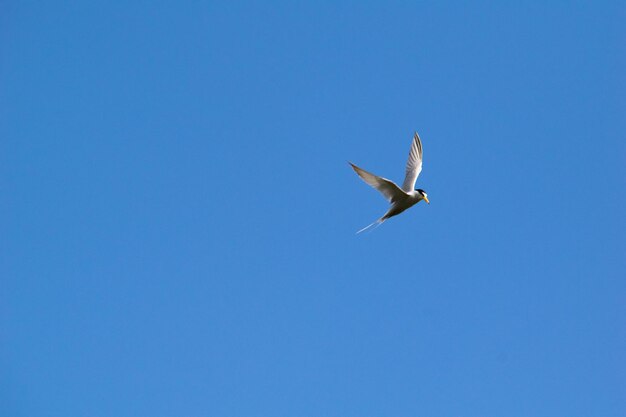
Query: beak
<point x="426" y="198"/>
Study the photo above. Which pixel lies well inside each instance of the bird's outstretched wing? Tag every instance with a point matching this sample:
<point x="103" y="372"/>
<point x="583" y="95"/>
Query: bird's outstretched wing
<point x="387" y="188"/>
<point x="414" y="164"/>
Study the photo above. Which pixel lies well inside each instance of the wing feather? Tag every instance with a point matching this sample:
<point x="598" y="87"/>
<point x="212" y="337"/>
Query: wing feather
<point x="386" y="187"/>
<point x="413" y="164"/>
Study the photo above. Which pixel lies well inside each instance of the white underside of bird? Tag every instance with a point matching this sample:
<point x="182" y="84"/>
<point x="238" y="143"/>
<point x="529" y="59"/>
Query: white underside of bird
<point x="399" y="198"/>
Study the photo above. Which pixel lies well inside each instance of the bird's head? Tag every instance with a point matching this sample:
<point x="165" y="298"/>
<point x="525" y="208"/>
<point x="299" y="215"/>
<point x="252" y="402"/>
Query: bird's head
<point x="423" y="194"/>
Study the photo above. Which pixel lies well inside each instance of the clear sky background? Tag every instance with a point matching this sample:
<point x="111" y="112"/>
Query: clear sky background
<point x="178" y="218"/>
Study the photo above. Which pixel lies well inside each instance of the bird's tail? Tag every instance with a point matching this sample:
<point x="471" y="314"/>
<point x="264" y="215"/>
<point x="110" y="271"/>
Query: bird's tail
<point x="373" y="225"/>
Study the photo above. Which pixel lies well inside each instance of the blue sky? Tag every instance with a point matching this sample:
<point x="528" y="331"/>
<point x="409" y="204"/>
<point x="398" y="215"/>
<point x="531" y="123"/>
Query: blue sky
<point x="178" y="216"/>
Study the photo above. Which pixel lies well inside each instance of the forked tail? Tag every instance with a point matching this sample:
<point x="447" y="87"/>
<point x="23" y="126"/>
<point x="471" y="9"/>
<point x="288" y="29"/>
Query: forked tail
<point x="373" y="225"/>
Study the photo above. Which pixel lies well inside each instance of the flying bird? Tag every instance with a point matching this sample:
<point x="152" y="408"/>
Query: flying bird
<point x="399" y="198"/>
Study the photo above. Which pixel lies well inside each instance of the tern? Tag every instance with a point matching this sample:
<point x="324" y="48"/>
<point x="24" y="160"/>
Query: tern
<point x="399" y="198"/>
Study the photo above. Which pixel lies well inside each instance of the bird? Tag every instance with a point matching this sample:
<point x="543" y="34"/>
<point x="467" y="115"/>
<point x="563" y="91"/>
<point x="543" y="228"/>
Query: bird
<point x="399" y="198"/>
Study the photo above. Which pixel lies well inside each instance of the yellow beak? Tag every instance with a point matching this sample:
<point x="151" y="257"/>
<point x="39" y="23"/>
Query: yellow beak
<point x="426" y="198"/>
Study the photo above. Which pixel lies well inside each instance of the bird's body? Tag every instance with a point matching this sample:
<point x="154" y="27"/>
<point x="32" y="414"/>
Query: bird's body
<point x="399" y="198"/>
<point x="405" y="202"/>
